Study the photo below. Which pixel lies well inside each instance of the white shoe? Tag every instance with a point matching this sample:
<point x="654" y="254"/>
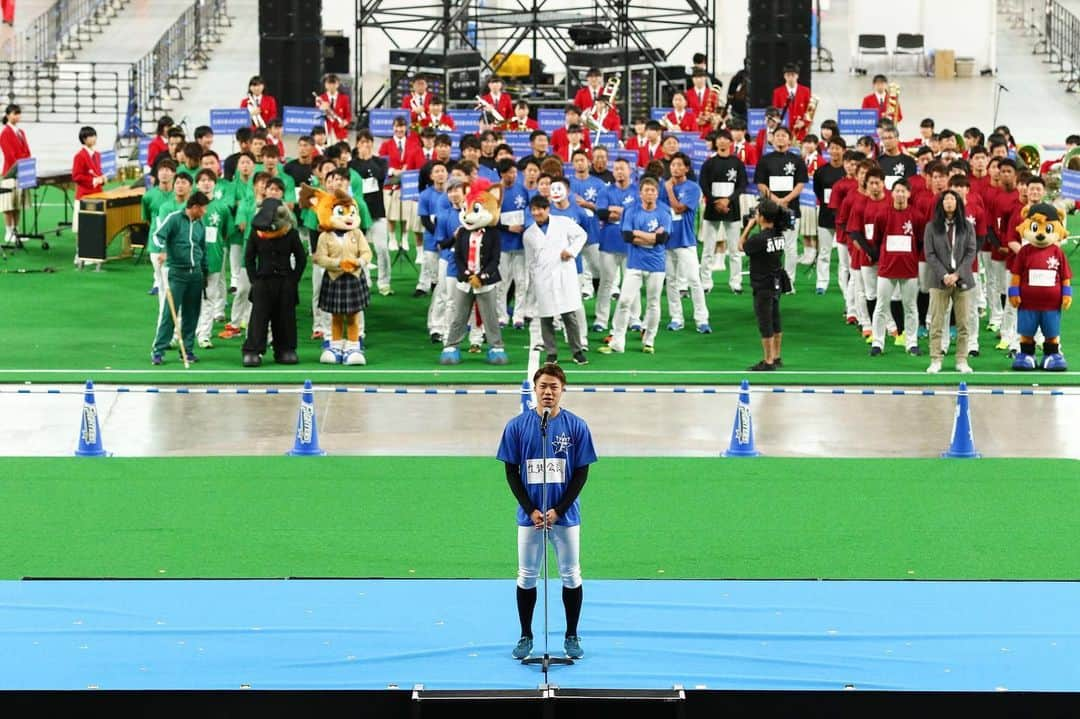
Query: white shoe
<point x="392" y="245"/>
<point x="964" y="368"/>
<point x="934" y="368"/>
<point x="353" y="355"/>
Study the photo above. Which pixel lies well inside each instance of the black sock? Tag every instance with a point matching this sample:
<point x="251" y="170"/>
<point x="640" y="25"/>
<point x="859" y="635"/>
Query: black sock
<point x="896" y="307"/>
<point x="526" y="603"/>
<point x="1027" y="348"/>
<point x="922" y="301"/>
<point x="571" y="599"/>
<point x="870" y="305"/>
<point x="1050" y="348"/>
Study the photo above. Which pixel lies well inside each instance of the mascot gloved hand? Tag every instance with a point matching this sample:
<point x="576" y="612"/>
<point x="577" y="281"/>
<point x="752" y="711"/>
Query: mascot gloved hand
<point x="477" y="251"/>
<point x="1041" y="286"/>
<point x="345" y="292"/>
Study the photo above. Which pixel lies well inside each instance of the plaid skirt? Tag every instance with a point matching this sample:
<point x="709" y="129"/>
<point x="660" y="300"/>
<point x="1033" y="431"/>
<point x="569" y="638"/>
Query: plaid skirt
<point x="346" y="295"/>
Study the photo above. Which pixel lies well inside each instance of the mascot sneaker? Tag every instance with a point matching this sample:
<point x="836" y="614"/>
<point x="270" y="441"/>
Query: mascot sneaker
<point x="450" y="355"/>
<point x="332" y="352"/>
<point x="497" y="355"/>
<point x="353" y="355"/>
<point x="1024" y="362"/>
<point x="1055" y="362"/>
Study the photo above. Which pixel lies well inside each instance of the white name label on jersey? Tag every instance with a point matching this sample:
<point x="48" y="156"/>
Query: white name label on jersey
<point x="828" y="194"/>
<point x="512" y="219"/>
<point x="723" y="189"/>
<point x="676" y="216"/>
<point x="868" y="231"/>
<point x="369" y="184"/>
<point x="890" y="180"/>
<point x="898" y="243"/>
<point x="1042" y="278"/>
<point x="211" y="235"/>
<point x="781" y="183"/>
<point x="556" y="471"/>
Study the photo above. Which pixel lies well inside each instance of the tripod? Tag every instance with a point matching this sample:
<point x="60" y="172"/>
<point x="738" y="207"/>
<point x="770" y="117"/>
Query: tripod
<point x="546" y="661"/>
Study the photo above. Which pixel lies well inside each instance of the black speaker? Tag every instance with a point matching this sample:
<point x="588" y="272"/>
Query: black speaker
<point x="766" y="56"/>
<point x="784" y="17"/>
<point x="291" y="68"/>
<point x="290" y="18"/>
<point x="336" y="54"/>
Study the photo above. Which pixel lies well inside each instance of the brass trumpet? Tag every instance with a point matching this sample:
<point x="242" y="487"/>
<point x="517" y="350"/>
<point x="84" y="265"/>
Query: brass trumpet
<point x="490" y="110"/>
<point x="892" y="102"/>
<point x="1030" y="156"/>
<point x="255" y="111"/>
<point x="709" y="107"/>
<point x="329" y="111"/>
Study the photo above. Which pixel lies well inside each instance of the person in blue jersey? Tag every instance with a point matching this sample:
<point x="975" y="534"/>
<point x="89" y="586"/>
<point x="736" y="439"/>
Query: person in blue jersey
<point x="683" y="198"/>
<point x="511" y="224"/>
<point x="432" y="202"/>
<point x="616" y="199"/>
<point x="587" y="190"/>
<point x="646" y="228"/>
<point x="570" y="452"/>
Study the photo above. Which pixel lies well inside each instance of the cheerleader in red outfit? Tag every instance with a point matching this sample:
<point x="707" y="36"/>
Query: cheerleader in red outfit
<point x="262" y="108"/>
<point x="14" y="147"/>
<point x="336" y="107"/>
<point x="86" y="171"/>
<point x="160" y="143"/>
<point x="680" y="119"/>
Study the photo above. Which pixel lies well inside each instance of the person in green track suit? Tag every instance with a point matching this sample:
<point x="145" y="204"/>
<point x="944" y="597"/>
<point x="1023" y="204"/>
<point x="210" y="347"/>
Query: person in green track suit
<point x="180" y="247"/>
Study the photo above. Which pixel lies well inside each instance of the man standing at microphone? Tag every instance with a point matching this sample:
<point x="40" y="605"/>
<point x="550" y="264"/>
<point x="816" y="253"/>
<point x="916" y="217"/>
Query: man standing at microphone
<point x="569" y="454"/>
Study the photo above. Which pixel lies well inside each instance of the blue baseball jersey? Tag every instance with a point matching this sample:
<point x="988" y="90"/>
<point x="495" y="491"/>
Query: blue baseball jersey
<point x="487" y="173"/>
<point x="430" y="206"/>
<point x="682" y="225"/>
<point x="589" y="189"/>
<point x="570" y="447"/>
<point x="515" y="201"/>
<point x="447" y="225"/>
<point x="611" y="238"/>
<point x="647" y="259"/>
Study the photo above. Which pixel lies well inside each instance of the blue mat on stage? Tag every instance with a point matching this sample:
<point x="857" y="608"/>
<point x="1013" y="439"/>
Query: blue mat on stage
<point x="371" y="634"/>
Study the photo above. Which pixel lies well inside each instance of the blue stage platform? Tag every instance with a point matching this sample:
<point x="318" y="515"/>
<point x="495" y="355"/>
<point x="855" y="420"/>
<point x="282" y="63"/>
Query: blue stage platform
<point x="374" y="634"/>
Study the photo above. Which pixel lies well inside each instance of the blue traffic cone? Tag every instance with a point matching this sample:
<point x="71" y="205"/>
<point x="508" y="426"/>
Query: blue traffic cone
<point x="526" y="397"/>
<point x="90" y="429"/>
<point x="962" y="445"/>
<point x="742" y="433"/>
<point x="307" y="434"/>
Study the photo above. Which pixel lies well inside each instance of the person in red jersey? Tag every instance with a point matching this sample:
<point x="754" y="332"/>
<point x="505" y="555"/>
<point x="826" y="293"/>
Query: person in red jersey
<point x="898" y="233"/>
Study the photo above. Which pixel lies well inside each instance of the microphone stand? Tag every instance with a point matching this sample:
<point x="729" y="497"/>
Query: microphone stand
<point x="546" y="661"/>
<point x="997" y="101"/>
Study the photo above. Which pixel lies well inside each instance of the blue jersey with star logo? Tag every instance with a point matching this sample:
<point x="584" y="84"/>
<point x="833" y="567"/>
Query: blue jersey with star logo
<point x="515" y="200"/>
<point x="611" y="237"/>
<point x="589" y="189"/>
<point x="569" y="447"/>
<point x="647" y="259"/>
<point x="682" y="224"/>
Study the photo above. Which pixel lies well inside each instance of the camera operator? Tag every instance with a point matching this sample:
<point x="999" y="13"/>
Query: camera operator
<point x="767" y="276"/>
<point x="950" y="251"/>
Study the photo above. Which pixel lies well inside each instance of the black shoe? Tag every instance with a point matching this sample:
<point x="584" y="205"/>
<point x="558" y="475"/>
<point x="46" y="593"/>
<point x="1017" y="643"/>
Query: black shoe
<point x="192" y="358"/>
<point x="762" y="366"/>
<point x="419" y="293"/>
<point x="973" y="353"/>
<point x="875" y="351"/>
<point x="552" y="359"/>
<point x="252" y="360"/>
<point x="580" y="358"/>
<point x="736" y="292"/>
<point x="915" y="352"/>
<point x="287" y="357"/>
<point x="436" y="338"/>
<point x="778" y="363"/>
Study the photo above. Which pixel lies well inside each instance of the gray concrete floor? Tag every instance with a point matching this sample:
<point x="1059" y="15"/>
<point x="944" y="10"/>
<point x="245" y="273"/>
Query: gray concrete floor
<point x="789" y="425"/>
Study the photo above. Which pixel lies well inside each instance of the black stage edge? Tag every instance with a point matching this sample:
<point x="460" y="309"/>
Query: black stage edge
<point x="592" y="704"/>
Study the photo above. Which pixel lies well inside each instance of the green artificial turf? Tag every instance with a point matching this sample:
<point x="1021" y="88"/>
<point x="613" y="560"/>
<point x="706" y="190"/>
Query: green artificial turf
<point x="453" y="517"/>
<point x="70" y="326"/>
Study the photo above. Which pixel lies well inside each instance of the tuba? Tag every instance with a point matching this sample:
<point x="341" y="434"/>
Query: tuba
<point x="1030" y="156"/>
<point x="892" y="102"/>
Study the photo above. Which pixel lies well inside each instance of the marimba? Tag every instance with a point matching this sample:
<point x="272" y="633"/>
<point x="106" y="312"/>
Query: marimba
<point x="104" y="215"/>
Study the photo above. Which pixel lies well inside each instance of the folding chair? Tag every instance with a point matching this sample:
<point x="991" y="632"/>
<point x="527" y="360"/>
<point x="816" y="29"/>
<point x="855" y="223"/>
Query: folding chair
<point x="868" y="45"/>
<point x="913" y="46"/>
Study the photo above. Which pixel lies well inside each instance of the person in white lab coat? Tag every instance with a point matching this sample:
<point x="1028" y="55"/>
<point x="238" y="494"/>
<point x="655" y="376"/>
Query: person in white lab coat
<point x="552" y="245"/>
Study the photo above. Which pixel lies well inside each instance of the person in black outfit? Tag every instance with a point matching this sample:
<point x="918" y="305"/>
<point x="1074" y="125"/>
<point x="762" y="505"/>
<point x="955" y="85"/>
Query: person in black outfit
<point x="275" y="262"/>
<point x="767" y="277"/>
<point x="302" y="167"/>
<point x="824" y="178"/>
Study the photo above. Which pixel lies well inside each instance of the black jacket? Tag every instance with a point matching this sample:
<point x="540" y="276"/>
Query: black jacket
<point x="269" y="258"/>
<point x="490" y="253"/>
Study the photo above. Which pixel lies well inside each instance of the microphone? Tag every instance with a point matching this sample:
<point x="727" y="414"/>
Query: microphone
<point x="544" y="420"/>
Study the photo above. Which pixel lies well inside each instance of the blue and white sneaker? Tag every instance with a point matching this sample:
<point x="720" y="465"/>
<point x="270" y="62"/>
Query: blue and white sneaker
<point x="450" y="355"/>
<point x="1055" y="362"/>
<point x="597" y="327"/>
<point x="523" y="648"/>
<point x="674" y="326"/>
<point x="819" y="291"/>
<point x="636" y="327"/>
<point x="704" y="329"/>
<point x="572" y="647"/>
<point x="1024" y="362"/>
<point x="153" y="290"/>
<point x="497" y="355"/>
<point x="157" y="358"/>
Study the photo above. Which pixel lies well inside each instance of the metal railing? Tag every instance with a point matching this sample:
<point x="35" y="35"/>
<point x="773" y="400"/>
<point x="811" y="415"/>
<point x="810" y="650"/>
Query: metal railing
<point x="67" y="92"/>
<point x="62" y="28"/>
<point x="1057" y="36"/>
<point x="183" y="48"/>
